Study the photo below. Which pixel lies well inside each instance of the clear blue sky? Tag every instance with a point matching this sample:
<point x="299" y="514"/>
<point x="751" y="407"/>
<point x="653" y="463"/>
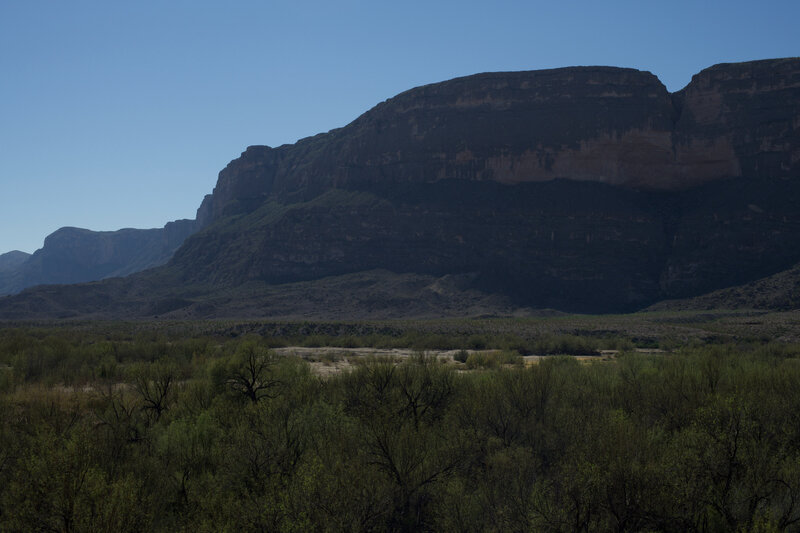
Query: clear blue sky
<point x="121" y="114"/>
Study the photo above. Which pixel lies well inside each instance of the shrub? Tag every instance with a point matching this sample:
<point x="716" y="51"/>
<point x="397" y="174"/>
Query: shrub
<point x="493" y="359"/>
<point x="6" y="379"/>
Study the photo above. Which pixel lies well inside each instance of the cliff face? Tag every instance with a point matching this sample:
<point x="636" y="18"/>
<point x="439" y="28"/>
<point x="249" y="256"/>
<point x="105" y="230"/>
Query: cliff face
<point x="608" y="125"/>
<point x="752" y="109"/>
<point x="583" y="189"/>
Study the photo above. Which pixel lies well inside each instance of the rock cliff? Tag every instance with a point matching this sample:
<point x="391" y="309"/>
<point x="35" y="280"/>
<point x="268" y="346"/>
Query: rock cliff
<point x="602" y="124"/>
<point x="585" y="188"/>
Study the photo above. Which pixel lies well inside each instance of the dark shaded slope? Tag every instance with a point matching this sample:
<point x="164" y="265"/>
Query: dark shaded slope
<point x="568" y="245"/>
<point x="516" y="240"/>
<point x="779" y="291"/>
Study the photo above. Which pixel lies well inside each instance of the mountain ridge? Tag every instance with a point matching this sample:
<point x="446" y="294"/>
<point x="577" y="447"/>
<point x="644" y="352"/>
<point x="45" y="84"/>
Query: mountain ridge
<point x="75" y="255"/>
<point x="589" y="189"/>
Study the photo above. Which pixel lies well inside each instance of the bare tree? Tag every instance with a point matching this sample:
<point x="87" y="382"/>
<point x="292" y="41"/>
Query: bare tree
<point x="251" y="373"/>
<point x="155" y="386"/>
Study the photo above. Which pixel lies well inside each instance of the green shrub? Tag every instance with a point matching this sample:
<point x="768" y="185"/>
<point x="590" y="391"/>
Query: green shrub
<point x="461" y="356"/>
<point x="493" y="359"/>
<point x="565" y="345"/>
<point x="477" y="342"/>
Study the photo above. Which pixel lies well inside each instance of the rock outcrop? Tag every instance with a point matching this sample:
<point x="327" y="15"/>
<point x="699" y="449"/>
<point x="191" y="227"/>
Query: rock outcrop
<point x="586" y="189"/>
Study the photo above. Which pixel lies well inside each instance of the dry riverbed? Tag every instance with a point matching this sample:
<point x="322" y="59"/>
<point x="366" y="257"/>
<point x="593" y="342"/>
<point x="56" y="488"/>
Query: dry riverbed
<point x="328" y="360"/>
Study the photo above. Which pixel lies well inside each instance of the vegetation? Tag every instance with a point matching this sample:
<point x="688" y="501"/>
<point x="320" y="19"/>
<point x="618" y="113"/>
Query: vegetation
<point x="189" y="427"/>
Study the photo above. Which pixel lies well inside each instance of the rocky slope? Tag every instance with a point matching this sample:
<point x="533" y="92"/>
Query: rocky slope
<point x="780" y="292"/>
<point x="583" y="189"/>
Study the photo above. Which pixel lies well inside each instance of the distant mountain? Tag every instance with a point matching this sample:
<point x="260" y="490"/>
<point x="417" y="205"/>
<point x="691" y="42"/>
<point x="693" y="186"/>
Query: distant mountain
<point x="588" y="189"/>
<point x="75" y="255"/>
<point x="12" y="260"/>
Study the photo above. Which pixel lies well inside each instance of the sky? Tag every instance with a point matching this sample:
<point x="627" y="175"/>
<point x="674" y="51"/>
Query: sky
<point x="121" y="114"/>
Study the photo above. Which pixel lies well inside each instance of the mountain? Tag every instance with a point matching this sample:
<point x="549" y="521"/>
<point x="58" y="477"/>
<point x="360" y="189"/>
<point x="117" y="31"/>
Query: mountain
<point x="75" y="255"/>
<point x="588" y="189"/>
<point x="12" y="260"/>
